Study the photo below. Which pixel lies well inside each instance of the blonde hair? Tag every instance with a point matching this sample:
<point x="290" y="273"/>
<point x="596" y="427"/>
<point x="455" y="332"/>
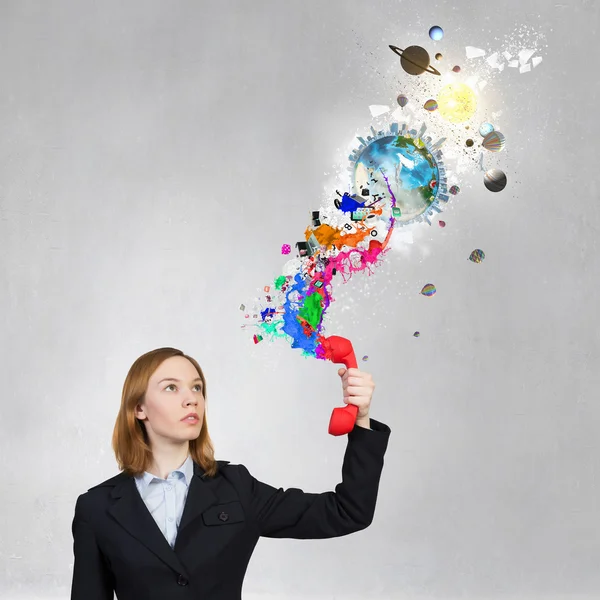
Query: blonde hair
<point x="130" y="441"/>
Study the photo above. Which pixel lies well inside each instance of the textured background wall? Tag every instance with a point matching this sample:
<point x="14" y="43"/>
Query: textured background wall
<point x="155" y="155"/>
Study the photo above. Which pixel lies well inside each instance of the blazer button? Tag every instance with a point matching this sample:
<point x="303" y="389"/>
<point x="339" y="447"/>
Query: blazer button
<point x="182" y="580"/>
<point x="224" y="516"/>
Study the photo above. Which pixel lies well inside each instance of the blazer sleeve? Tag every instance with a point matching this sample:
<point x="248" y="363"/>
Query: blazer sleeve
<point x="293" y="513"/>
<point x="92" y="579"/>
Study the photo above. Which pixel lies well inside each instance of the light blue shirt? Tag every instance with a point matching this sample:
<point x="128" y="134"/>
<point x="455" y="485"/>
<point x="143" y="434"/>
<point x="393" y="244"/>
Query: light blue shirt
<point x="165" y="498"/>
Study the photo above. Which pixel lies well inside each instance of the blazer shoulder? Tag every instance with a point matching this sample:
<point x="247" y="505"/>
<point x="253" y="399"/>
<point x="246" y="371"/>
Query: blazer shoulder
<point x="112" y="482"/>
<point x="117" y="479"/>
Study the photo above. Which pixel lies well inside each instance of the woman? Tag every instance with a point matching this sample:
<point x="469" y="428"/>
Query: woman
<point x="176" y="523"/>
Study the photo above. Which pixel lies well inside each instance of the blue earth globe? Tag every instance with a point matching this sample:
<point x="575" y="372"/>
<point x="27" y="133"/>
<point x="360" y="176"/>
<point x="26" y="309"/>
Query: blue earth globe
<point x="400" y="169"/>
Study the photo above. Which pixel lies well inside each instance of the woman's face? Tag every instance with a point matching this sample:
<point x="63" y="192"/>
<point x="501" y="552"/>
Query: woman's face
<point x="168" y="402"/>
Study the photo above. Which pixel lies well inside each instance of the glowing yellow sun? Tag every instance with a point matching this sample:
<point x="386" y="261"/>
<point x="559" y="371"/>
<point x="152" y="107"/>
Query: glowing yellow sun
<point x="457" y="102"/>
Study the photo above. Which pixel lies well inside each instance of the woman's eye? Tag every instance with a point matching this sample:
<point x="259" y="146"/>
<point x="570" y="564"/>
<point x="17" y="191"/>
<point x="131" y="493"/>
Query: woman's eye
<point x="173" y="385"/>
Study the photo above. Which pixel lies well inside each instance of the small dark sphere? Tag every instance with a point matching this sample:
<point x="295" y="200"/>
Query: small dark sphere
<point x="494" y="180"/>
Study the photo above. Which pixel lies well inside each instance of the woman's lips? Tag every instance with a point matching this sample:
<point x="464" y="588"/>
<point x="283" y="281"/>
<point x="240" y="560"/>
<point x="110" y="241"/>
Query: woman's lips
<point x="190" y="420"/>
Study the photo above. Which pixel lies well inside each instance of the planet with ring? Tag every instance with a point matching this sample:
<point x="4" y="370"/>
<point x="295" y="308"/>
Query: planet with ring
<point x="415" y="60"/>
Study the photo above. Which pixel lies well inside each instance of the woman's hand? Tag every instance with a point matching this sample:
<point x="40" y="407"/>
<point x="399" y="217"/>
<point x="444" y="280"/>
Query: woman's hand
<point x="358" y="389"/>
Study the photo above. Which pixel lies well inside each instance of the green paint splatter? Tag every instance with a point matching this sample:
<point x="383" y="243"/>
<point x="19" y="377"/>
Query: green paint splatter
<point x="312" y="310"/>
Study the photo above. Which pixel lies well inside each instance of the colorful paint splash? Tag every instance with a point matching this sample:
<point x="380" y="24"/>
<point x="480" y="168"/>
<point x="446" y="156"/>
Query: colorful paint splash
<point x="398" y="178"/>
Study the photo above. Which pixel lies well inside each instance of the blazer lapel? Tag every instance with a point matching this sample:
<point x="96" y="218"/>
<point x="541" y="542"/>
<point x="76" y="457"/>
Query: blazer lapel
<point x="133" y="515"/>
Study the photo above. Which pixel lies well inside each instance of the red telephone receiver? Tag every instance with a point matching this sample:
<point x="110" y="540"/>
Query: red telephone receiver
<point x="340" y="350"/>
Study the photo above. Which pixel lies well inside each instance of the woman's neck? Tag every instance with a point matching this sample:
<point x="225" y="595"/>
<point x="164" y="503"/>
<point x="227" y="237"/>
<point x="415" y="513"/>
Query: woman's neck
<point x="163" y="465"/>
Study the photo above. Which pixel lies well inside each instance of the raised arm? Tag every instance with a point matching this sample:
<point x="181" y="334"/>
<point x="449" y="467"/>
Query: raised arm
<point x="293" y="513"/>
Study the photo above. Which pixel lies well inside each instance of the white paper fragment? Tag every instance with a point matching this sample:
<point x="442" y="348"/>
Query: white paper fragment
<point x="525" y="69"/>
<point x="506" y="55"/>
<point x="492" y="60"/>
<point x="482" y="84"/>
<point x="378" y="109"/>
<point x="501" y="67"/>
<point x="536" y="60"/>
<point x="513" y="63"/>
<point x="473" y="52"/>
<point x="525" y="55"/>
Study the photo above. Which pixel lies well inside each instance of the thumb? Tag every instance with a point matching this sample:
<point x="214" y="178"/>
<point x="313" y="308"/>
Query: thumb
<point x="341" y="371"/>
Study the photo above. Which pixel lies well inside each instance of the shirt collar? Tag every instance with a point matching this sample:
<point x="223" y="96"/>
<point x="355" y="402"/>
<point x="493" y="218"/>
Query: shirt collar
<point x="185" y="472"/>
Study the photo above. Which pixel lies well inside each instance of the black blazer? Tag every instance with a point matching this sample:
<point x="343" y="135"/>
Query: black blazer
<point x="118" y="545"/>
